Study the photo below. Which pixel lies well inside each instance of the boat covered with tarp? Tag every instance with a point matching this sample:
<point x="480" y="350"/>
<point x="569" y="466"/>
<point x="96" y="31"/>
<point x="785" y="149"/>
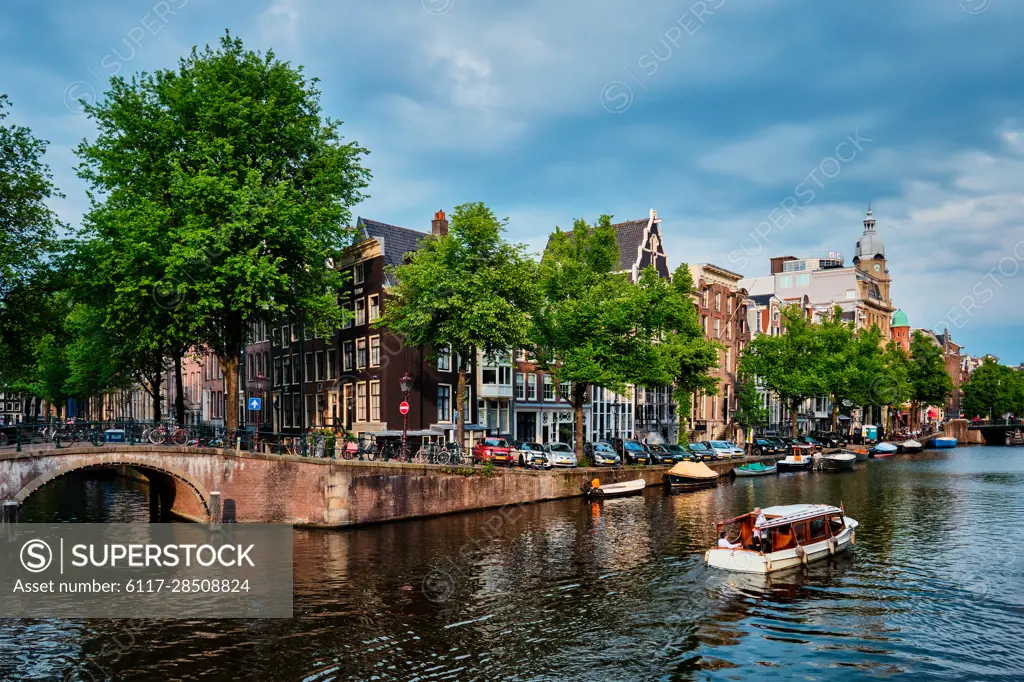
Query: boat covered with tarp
<point x="691" y="475"/>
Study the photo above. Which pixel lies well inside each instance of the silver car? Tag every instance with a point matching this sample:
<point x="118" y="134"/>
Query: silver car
<point x="723" y="449"/>
<point x="560" y="455"/>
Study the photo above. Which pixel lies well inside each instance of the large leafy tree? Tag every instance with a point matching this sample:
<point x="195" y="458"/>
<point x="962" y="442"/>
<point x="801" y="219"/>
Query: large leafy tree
<point x="891" y="387"/>
<point x="235" y="192"/>
<point x="750" y="408"/>
<point x="28" y="227"/>
<point x="993" y="390"/>
<point x="789" y="364"/>
<point x="930" y="384"/>
<point x="840" y="349"/>
<point x="466" y="291"/>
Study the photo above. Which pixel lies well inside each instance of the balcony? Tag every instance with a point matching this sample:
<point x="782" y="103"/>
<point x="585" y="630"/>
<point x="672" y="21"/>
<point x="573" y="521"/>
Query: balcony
<point x="494" y="390"/>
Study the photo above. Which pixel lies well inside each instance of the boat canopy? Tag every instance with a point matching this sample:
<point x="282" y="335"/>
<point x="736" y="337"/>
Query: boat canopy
<point x="693" y="470"/>
<point x="792" y="513"/>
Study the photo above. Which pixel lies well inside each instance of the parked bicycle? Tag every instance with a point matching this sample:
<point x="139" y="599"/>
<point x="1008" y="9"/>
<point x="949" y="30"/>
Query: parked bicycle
<point x="163" y="434"/>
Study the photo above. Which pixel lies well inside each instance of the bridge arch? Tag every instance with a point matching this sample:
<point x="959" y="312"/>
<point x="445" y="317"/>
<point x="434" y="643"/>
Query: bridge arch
<point x="148" y="466"/>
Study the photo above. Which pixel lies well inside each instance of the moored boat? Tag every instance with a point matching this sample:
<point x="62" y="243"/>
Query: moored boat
<point x="596" y="489"/>
<point x="884" y="450"/>
<point x="794" y="535"/>
<point x="755" y="469"/>
<point x="691" y="476"/>
<point x="796" y="463"/>
<point x="838" y="461"/>
<point x="860" y="453"/>
<point x="911" y="446"/>
<point x="943" y="442"/>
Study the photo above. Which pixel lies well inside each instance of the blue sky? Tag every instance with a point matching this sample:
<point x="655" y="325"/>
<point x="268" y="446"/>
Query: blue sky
<point x="720" y="114"/>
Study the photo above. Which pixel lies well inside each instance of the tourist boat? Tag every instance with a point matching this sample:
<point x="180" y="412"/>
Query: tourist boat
<point x="884" y="450"/>
<point x="943" y="442"/>
<point x="691" y="476"/>
<point x="795" y="535"/>
<point x="796" y="463"/>
<point x="755" y="469"/>
<point x="596" y="489"/>
<point x="862" y="454"/>
<point x="910" y="446"/>
<point x="838" y="461"/>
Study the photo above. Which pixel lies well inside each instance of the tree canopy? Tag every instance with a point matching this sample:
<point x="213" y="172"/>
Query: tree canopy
<point x="929" y="382"/>
<point x="993" y="391"/>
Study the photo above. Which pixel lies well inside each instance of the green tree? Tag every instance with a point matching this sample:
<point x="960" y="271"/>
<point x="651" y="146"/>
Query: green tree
<point x="235" y="191"/>
<point x="466" y="291"/>
<point x="27" y="224"/>
<point x="789" y="364"/>
<point x="891" y="387"/>
<point x="993" y="390"/>
<point x="930" y="384"/>
<point x="750" y="409"/>
<point x="839" y="355"/>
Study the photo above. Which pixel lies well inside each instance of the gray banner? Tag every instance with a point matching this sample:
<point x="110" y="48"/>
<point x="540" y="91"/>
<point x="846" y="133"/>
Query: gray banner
<point x="122" y="570"/>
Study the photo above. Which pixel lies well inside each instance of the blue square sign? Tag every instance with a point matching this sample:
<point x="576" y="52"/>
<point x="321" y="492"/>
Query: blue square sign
<point x="255" y="403"/>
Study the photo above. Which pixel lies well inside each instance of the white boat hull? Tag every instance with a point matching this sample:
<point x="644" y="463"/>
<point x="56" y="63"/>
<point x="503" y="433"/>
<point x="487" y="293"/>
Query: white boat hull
<point x="749" y="561"/>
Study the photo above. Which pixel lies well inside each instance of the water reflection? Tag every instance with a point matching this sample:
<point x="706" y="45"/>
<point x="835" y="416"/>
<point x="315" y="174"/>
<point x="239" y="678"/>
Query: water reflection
<point x="573" y="590"/>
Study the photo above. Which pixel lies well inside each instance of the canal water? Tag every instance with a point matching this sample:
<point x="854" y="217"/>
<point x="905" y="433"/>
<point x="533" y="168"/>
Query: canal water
<point x="617" y="590"/>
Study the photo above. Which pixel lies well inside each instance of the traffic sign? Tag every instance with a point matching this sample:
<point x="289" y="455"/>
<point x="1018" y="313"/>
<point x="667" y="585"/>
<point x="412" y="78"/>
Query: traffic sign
<point x="404" y="407"/>
<point x="255" y="404"/>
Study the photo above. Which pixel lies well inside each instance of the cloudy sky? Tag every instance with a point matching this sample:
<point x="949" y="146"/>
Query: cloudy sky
<point x="754" y="127"/>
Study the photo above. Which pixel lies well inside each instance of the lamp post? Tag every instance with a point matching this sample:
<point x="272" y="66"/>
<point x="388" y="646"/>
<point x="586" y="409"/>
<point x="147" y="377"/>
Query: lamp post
<point x="406" y="385"/>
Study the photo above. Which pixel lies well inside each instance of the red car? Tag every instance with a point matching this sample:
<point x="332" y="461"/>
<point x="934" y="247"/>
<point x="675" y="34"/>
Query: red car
<point x="495" y="450"/>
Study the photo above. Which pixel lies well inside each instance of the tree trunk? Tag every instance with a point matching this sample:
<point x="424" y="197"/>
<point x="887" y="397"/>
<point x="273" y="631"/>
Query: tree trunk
<point x="460" y="400"/>
<point x="795" y="409"/>
<point x="179" y="394"/>
<point x="230" y="367"/>
<point x="835" y="415"/>
<point x="154" y="393"/>
<point x="579" y="395"/>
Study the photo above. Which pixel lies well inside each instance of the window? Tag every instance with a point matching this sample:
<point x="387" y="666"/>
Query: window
<point x="358" y="273"/>
<point x="718" y="301"/>
<point x="347" y="324"/>
<point x="549" y="393"/>
<point x="297" y="409"/>
<point x="505" y="375"/>
<point x="565" y="390"/>
<point x="818" y="529"/>
<point x="350" y="355"/>
<point x="319" y="365"/>
<point x="374" y="307"/>
<point x="728" y="360"/>
<point x="284" y="335"/>
<point x="360" y="311"/>
<point x="347" y="404"/>
<point x="311" y="414"/>
<point x="265" y="365"/>
<point x="309" y="367"/>
<point x="287" y="417"/>
<point x="307" y="333"/>
<point x="374" y="351"/>
<point x="786" y="282"/>
<point x="296" y="368"/>
<point x="851" y="294"/>
<point x="287" y="368"/>
<point x="444" y="403"/>
<point x="375" y="401"/>
<point x="520" y="386"/>
<point x="251" y="366"/>
<point x="704" y="298"/>
<point x="295" y="332"/>
<point x="332" y="364"/>
<point x="489" y="376"/>
<point x="803" y="280"/>
<point x="531" y="386"/>
<point x="360" y="354"/>
<point x="718" y="328"/>
<point x="728" y="305"/>
<point x="444" y="359"/>
<point x="361" y="401"/>
<point x="278" y="376"/>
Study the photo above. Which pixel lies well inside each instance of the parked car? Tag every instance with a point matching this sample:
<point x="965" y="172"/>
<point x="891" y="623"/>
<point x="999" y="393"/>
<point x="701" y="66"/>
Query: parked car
<point x="764" y="446"/>
<point x="723" y="449"/>
<point x="815" y="445"/>
<point x="530" y="454"/>
<point x="679" y="453"/>
<point x="496" y="450"/>
<point x="660" y="454"/>
<point x="829" y="439"/>
<point x="797" y="446"/>
<point x="701" y="453"/>
<point x="602" y="454"/>
<point x="631" y="451"/>
<point x="560" y="455"/>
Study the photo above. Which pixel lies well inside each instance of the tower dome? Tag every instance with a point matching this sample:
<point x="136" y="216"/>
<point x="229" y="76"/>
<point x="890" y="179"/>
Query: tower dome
<point x="870" y="244"/>
<point x="899" y="319"/>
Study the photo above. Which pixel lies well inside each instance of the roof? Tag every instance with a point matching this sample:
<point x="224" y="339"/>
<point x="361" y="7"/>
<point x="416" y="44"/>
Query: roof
<point x="762" y="299"/>
<point x="395" y="241"/>
<point x="899" y="319"/>
<point x="629" y="236"/>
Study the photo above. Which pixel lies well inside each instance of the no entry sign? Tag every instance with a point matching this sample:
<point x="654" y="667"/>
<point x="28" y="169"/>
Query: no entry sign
<point x="404" y="407"/>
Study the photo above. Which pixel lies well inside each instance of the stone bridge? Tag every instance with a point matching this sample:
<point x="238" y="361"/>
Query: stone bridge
<point x="258" y="488"/>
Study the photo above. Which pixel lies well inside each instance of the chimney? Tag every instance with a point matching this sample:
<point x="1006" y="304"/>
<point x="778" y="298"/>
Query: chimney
<point x="439" y="226"/>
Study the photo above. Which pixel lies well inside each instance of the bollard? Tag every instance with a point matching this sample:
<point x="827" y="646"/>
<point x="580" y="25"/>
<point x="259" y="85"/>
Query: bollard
<point x="17" y="438"/>
<point x="238" y="443"/>
<point x="279" y="446"/>
<point x="216" y="510"/>
<point x="56" y="440"/>
<point x="10" y="512"/>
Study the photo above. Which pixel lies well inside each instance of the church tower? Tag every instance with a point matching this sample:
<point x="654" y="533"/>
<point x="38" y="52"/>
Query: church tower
<point x="872" y="269"/>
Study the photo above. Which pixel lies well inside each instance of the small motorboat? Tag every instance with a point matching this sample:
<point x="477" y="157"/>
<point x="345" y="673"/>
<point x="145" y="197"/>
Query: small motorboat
<point x="596" y="489"/>
<point x="884" y="450"/>
<point x="860" y="453"/>
<point x="793" y="535"/>
<point x="796" y="463"/>
<point x="756" y="469"/>
<point x="691" y="476"/>
<point x="838" y="461"/>
<point x="943" y="442"/>
<point x="910" y="447"/>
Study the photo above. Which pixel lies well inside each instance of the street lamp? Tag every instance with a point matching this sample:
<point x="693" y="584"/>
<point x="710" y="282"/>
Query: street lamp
<point x="405" y="383"/>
